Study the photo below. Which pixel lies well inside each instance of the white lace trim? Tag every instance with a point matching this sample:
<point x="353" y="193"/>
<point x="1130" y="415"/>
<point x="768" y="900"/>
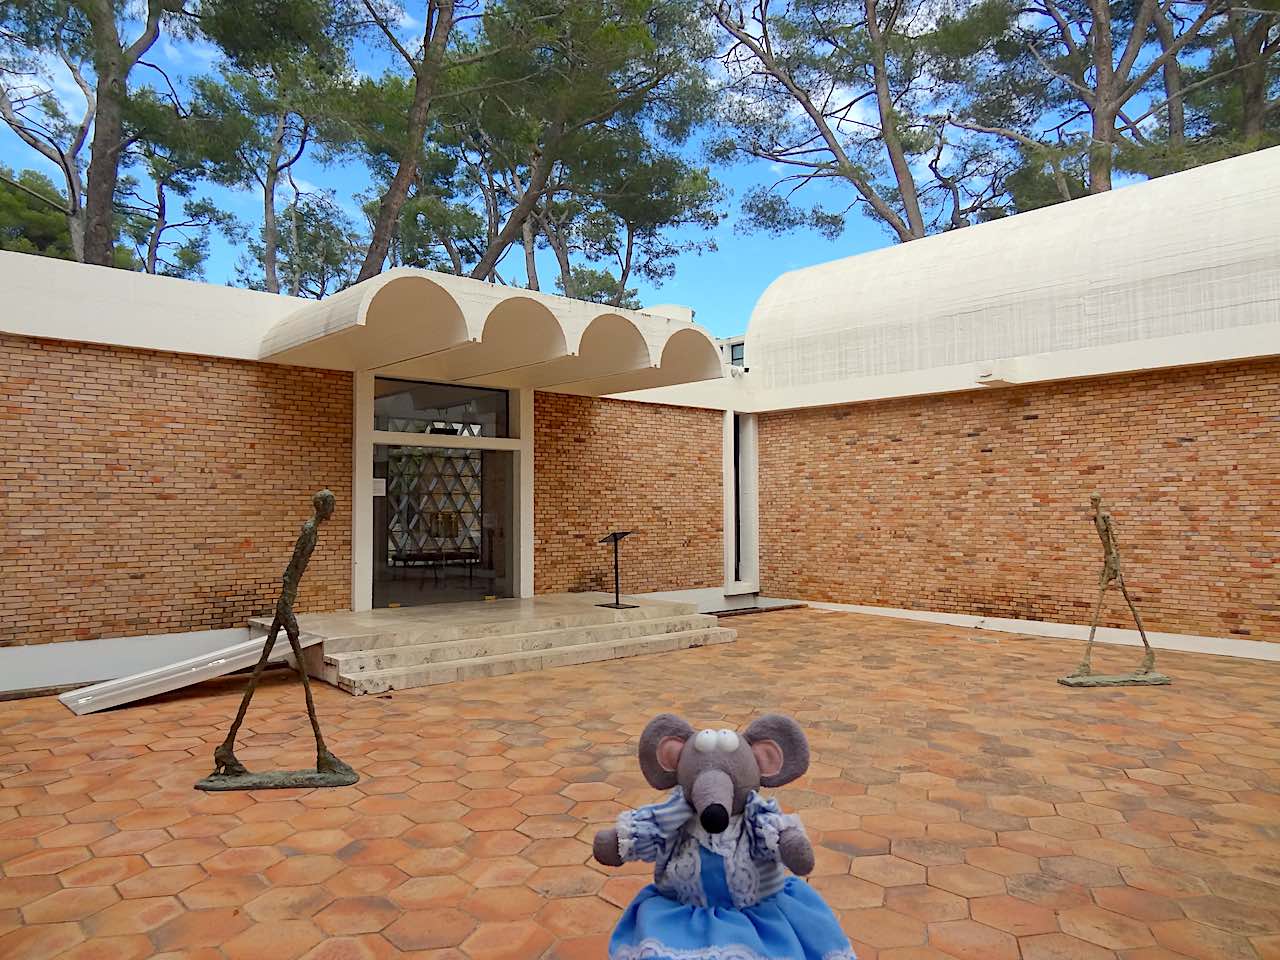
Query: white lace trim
<point x="654" y="950"/>
<point x="682" y="875"/>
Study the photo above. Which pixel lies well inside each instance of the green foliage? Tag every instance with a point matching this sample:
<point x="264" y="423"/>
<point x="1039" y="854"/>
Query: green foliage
<point x="598" y="286"/>
<point x="320" y="249"/>
<point x="28" y="224"/>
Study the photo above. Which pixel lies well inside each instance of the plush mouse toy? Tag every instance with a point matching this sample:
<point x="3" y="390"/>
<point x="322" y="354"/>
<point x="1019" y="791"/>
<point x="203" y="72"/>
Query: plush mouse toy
<point x="720" y="891"/>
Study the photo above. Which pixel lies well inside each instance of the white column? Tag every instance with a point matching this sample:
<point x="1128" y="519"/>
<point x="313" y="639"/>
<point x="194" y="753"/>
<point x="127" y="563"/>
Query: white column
<point x="362" y="492"/>
<point x="522" y="418"/>
<point x="741" y="475"/>
<point x="728" y="469"/>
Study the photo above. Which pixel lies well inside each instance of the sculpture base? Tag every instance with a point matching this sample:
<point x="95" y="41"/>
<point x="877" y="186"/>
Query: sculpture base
<point x="1117" y="680"/>
<point x="618" y="606"/>
<point x="278" y="780"/>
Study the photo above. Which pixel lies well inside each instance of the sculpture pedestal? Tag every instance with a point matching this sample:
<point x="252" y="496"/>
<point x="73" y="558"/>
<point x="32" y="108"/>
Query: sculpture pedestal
<point x="278" y="780"/>
<point x="1117" y="680"/>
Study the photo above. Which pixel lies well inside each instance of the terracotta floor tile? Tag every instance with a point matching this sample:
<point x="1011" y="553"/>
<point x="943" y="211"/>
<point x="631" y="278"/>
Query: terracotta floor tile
<point x="926" y="903"/>
<point x="289" y="903"/>
<point x="73" y="903"/>
<point x="352" y="915"/>
<point x="507" y="941"/>
<point x="132" y="916"/>
<point x="966" y="803"/>
<point x="888" y="871"/>
<point x="968" y="940"/>
<point x="430" y="929"/>
<point x="881" y="927"/>
<point x="966" y="880"/>
<point x="277" y="940"/>
<point x="1060" y="946"/>
<point x="134" y="947"/>
<point x="44" y="941"/>
<point x="199" y="928"/>
<point x="575" y="916"/>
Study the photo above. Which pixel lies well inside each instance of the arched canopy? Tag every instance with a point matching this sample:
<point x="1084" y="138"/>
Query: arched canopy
<point x="1196" y="252"/>
<point x="419" y="324"/>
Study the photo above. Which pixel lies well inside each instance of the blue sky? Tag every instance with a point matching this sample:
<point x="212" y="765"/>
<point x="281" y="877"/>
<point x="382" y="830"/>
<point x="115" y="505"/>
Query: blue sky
<point x="722" y="286"/>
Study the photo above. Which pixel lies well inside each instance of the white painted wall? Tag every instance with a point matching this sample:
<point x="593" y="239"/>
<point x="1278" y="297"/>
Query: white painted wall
<point x="43" y="665"/>
<point x="73" y="301"/>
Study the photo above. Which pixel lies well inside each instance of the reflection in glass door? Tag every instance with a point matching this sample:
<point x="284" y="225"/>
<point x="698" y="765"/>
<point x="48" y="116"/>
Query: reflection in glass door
<point x="442" y="526"/>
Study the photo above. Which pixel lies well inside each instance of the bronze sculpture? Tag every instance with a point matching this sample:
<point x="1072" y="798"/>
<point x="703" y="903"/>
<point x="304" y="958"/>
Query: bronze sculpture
<point x="228" y="772"/>
<point x="1083" y="675"/>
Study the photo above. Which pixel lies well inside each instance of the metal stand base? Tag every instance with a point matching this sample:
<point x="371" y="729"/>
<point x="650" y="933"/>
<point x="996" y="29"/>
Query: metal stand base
<point x="619" y="606"/>
<point x="1117" y="680"/>
<point x="279" y="780"/>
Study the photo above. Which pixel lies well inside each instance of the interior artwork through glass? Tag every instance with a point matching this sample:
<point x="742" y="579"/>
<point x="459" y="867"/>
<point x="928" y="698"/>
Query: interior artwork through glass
<point x="441" y="524"/>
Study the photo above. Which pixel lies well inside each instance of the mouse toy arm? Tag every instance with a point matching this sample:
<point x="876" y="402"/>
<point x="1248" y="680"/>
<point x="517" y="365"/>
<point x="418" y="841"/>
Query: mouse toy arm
<point x="795" y="851"/>
<point x="647" y="833"/>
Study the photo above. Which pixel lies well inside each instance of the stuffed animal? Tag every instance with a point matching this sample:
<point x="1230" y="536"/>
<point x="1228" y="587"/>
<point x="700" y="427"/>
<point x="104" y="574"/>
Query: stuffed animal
<point x="719" y="849"/>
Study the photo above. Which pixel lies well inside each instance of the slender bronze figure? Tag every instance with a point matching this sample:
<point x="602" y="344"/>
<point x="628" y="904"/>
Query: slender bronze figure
<point x="1111" y="573"/>
<point x="228" y="772"/>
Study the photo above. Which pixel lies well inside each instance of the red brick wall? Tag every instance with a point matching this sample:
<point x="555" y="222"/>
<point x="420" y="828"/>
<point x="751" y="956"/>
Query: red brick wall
<point x="147" y="492"/>
<point x="978" y="502"/>
<point x="602" y="465"/>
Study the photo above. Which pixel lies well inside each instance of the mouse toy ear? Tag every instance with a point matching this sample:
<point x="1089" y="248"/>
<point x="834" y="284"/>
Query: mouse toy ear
<point x="660" y="746"/>
<point x="780" y="747"/>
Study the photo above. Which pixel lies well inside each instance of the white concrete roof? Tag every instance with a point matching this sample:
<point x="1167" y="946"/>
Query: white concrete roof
<point x="418" y="324"/>
<point x="1193" y="254"/>
<point x="413" y="324"/>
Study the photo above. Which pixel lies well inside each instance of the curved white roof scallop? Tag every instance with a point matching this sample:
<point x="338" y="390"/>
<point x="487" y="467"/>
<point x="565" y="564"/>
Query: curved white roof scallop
<point x="424" y="325"/>
<point x="1192" y="253"/>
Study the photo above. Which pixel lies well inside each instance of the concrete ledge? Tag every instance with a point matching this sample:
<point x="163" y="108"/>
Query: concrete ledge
<point x="1218" y="646"/>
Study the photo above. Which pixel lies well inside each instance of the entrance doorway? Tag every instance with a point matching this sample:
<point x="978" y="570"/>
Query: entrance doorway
<point x="442" y="529"/>
<point x="442" y="510"/>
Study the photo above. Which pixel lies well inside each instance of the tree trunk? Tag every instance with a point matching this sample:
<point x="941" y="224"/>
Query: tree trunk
<point x="561" y="250"/>
<point x="157" y="228"/>
<point x="538" y="176"/>
<point x="1252" y="79"/>
<point x="625" y="274"/>
<point x="104" y="165"/>
<point x="889" y="125"/>
<point x="424" y="84"/>
<point x="111" y="64"/>
<point x="295" y="261"/>
<point x="1172" y="84"/>
<point x="270" y="233"/>
<point x="530" y="249"/>
<point x="1104" y="109"/>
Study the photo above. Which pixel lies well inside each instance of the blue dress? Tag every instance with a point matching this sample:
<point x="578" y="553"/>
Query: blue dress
<point x="722" y="896"/>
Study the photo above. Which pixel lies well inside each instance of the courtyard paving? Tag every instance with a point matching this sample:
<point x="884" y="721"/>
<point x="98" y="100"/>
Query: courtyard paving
<point x="962" y="805"/>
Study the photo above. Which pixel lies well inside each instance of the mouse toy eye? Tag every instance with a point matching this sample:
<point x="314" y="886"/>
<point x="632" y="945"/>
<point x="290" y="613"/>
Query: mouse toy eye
<point x="727" y="740"/>
<point x="705" y="741"/>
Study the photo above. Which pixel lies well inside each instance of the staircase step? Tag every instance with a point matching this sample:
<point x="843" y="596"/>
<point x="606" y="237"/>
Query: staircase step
<point x="403" y="678"/>
<point x="442" y="651"/>
<point x="415" y="632"/>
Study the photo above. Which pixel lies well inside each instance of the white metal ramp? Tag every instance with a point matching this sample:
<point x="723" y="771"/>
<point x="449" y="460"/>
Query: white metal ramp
<point x="173" y="676"/>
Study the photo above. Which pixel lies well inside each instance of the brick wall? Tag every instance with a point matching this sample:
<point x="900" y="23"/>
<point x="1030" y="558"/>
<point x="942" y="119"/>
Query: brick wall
<point x="978" y="502"/>
<point x="147" y="492"/>
<point x="602" y="465"/>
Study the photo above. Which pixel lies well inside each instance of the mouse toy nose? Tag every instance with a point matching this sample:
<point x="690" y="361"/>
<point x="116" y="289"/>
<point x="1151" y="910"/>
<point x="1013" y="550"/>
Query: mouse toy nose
<point x="714" y="819"/>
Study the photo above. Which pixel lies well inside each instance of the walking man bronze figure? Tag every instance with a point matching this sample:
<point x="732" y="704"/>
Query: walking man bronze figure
<point x="1111" y="573"/>
<point x="228" y="772"/>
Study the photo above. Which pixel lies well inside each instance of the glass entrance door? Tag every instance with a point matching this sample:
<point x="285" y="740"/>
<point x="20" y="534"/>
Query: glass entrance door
<point x="442" y="524"/>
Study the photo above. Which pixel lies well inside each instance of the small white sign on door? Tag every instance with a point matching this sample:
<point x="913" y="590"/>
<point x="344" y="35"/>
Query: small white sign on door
<point x="379" y="486"/>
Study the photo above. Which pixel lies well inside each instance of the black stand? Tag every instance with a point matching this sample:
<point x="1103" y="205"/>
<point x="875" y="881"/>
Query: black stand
<point x="615" y="538"/>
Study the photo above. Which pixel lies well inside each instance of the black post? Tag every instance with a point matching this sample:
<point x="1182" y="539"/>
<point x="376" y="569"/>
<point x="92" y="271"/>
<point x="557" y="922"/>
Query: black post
<point x="615" y="538"/>
<point x="617" y="578"/>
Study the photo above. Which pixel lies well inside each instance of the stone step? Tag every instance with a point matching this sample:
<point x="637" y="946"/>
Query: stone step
<point x="404" y="678"/>
<point x="413" y="632"/>
<point x="354" y="662"/>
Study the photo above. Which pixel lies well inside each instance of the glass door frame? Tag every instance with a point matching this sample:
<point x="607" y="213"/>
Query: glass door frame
<point x="365" y="438"/>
